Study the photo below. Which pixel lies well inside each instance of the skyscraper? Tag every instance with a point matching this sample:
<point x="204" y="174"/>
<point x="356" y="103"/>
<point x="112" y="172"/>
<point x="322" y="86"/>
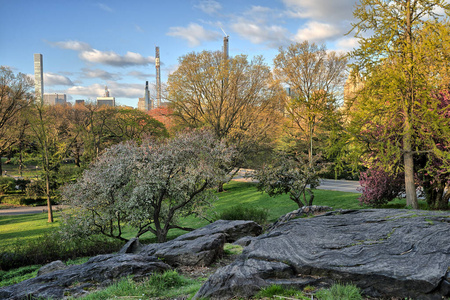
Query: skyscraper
<point x="106" y="100"/>
<point x="38" y="78"/>
<point x="145" y="103"/>
<point x="158" y="78"/>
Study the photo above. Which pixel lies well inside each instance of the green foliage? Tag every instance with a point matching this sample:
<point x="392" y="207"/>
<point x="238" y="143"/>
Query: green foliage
<point x="276" y="290"/>
<point x="293" y="175"/>
<point x="314" y="76"/>
<point x="7" y="184"/>
<point x="35" y="189"/>
<point x="242" y="212"/>
<point x="401" y="64"/>
<point x="341" y="292"/>
<point x="20" y="199"/>
<point x="50" y="247"/>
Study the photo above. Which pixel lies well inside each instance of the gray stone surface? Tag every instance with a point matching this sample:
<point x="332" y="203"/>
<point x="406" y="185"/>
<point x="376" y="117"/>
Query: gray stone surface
<point x="76" y="280"/>
<point x="51" y="267"/>
<point x="202" y="246"/>
<point x="400" y="253"/>
<point x="132" y="246"/>
<point x="233" y="230"/>
<point x="201" y="251"/>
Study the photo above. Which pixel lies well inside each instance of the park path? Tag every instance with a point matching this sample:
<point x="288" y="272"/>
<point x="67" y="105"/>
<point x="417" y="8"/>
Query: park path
<point x="23" y="210"/>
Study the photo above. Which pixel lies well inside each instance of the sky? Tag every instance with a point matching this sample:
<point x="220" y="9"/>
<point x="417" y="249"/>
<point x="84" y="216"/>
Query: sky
<point x="87" y="45"/>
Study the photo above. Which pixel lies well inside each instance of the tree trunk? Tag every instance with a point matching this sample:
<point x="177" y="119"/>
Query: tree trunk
<point x="411" y="196"/>
<point x="311" y="197"/>
<point x="49" y="203"/>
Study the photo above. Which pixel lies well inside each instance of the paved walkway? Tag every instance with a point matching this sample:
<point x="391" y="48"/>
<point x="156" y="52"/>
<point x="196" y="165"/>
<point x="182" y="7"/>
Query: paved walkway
<point x="27" y="210"/>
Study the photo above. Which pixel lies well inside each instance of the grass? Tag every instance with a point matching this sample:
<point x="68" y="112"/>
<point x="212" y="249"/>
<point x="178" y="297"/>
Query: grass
<point x="340" y="291"/>
<point x="167" y="285"/>
<point x="24" y="227"/>
<point x="20" y="274"/>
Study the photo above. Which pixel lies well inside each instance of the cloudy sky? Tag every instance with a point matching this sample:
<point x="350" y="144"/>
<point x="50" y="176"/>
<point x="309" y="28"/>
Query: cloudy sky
<point x="88" y="44"/>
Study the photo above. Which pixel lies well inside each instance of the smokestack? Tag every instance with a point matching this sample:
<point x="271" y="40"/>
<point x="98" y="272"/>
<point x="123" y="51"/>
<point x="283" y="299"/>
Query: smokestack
<point x="225" y="47"/>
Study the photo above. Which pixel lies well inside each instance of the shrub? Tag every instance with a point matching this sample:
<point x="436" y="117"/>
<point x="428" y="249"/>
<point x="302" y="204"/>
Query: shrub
<point x="379" y="187"/>
<point x="22" y="184"/>
<point x="20" y="199"/>
<point x="51" y="247"/>
<point x="7" y="184"/>
<point x="241" y="212"/>
<point x="35" y="189"/>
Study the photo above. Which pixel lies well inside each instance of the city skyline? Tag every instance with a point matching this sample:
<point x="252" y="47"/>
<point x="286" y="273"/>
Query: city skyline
<point x="89" y="45"/>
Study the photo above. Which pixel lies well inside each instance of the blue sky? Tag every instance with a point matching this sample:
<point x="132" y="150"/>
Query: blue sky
<point x="89" y="44"/>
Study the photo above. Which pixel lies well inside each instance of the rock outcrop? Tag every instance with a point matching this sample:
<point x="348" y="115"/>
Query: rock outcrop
<point x="197" y="248"/>
<point x="387" y="253"/>
<point x="76" y="280"/>
<point x="201" y="247"/>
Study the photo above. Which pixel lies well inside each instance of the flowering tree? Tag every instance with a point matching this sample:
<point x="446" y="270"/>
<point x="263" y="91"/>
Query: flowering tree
<point x="293" y="175"/>
<point x="147" y="187"/>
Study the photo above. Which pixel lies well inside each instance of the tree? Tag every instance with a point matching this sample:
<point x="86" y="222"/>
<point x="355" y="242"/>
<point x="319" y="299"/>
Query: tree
<point x="147" y="187"/>
<point x="236" y="98"/>
<point x="397" y="64"/>
<point x="53" y="143"/>
<point x="289" y="174"/>
<point x="132" y="124"/>
<point x="15" y="95"/>
<point x="314" y="77"/>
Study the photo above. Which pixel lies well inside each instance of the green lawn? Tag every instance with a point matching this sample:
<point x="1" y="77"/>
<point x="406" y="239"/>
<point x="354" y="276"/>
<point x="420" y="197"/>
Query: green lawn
<point x="24" y="227"/>
<point x="32" y="226"/>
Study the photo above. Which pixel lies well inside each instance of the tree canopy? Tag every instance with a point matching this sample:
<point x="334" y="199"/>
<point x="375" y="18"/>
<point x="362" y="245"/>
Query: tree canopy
<point x="402" y="58"/>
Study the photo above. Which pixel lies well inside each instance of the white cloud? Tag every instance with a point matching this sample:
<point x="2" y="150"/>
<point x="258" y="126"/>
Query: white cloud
<point x="141" y="75"/>
<point x="347" y="44"/>
<point x="87" y="53"/>
<point x="195" y="34"/>
<point x="94" y="90"/>
<point x="72" y="45"/>
<point x="209" y="6"/>
<point x="316" y="31"/>
<point x="113" y="59"/>
<point x="51" y="79"/>
<point x="260" y="34"/>
<point x="104" y="7"/>
<point x="336" y="10"/>
<point x="98" y="73"/>
<point x="118" y="90"/>
<point x="138" y="28"/>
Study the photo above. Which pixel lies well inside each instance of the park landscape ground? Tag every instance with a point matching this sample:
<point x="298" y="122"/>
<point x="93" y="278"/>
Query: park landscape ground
<point x="23" y="229"/>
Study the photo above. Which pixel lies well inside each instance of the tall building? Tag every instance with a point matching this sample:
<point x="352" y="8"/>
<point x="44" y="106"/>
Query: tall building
<point x="53" y="99"/>
<point x="38" y="77"/>
<point x="106" y="100"/>
<point x="145" y="103"/>
<point x="158" y="78"/>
